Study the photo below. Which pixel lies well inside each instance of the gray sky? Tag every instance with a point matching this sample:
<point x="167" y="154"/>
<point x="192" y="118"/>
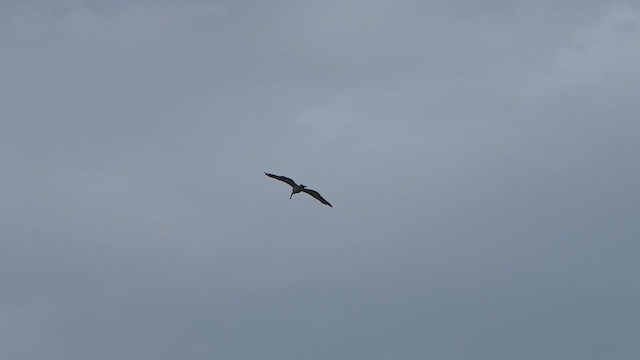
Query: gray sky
<point x="481" y="158"/>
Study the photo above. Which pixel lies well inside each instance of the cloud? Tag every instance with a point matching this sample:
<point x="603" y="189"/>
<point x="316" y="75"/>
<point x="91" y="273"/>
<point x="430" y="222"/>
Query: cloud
<point x="479" y="158"/>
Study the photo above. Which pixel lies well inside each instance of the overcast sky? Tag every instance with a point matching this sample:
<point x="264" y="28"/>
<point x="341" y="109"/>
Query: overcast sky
<point x="481" y="158"/>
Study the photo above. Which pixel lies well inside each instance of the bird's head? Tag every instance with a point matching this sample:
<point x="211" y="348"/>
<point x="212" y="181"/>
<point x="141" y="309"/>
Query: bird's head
<point x="302" y="186"/>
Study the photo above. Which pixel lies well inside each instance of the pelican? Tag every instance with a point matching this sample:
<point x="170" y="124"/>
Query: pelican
<point x="299" y="188"/>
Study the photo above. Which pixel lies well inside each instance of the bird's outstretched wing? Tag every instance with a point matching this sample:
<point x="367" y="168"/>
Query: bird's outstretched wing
<point x="316" y="195"/>
<point x="283" y="179"/>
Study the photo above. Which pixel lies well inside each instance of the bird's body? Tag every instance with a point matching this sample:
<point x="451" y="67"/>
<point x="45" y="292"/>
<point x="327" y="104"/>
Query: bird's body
<point x="295" y="188"/>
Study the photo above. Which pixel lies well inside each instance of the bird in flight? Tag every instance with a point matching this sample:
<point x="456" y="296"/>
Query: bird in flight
<point x="299" y="188"/>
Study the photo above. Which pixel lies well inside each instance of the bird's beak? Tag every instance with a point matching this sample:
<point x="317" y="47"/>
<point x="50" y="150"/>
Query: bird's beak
<point x="290" y="196"/>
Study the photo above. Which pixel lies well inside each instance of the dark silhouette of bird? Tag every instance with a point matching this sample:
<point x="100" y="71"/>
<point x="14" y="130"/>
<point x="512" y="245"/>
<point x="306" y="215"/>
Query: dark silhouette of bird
<point x="299" y="188"/>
